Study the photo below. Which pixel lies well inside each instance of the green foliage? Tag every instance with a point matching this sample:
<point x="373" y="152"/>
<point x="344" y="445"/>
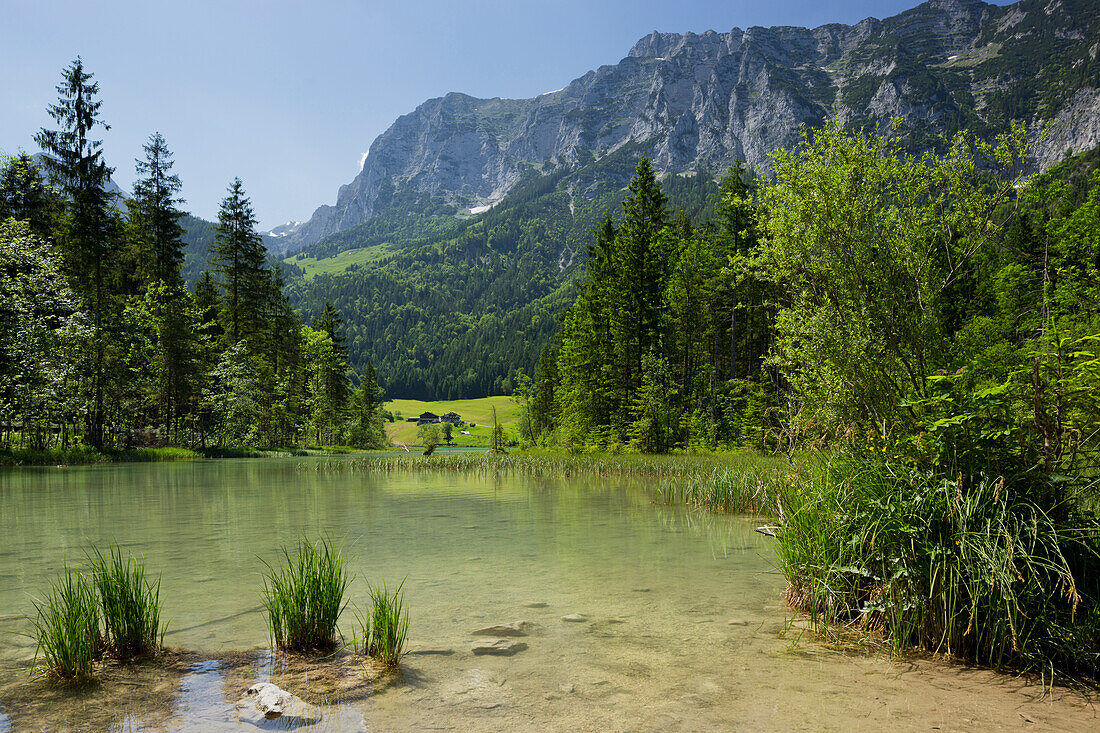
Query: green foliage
<point x="154" y="208"/>
<point x="40" y="332"/>
<point x="869" y="246"/>
<point x="67" y="628"/>
<point x="130" y="603"/>
<point x="305" y="596"/>
<point x="25" y="196"/>
<point x="989" y="572"/>
<point x="669" y="315"/>
<point x="239" y="259"/>
<point x="384" y="631"/>
<point x="428" y="434"/>
<point x="235" y="400"/>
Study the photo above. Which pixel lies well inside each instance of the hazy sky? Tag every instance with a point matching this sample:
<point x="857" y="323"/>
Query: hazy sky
<point x="289" y="95"/>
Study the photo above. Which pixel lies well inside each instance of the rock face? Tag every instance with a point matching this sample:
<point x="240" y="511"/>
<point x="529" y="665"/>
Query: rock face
<point x="267" y="701"/>
<point x="497" y="647"/>
<point x="702" y="101"/>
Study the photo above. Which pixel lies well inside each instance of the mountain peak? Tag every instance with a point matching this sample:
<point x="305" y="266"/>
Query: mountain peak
<point x="693" y="101"/>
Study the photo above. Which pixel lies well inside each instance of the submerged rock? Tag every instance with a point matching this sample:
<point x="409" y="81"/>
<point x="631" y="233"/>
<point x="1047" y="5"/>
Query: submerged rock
<point x="497" y="647"/>
<point x="574" y="618"/>
<point x="416" y="648"/>
<point x="516" y="628"/>
<point x="267" y="701"/>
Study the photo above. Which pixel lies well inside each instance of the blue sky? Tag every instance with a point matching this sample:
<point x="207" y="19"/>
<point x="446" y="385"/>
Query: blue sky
<point x="288" y="95"/>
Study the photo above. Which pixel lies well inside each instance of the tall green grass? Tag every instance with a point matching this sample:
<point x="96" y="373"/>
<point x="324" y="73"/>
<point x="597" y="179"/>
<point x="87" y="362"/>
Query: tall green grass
<point x="988" y="571"/>
<point x="750" y="490"/>
<point x="130" y="602"/>
<point x="560" y="464"/>
<point x="384" y="630"/>
<point x="67" y="628"/>
<point x="305" y="596"/>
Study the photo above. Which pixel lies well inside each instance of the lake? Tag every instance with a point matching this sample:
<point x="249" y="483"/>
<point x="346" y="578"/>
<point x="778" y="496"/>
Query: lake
<point x="683" y="624"/>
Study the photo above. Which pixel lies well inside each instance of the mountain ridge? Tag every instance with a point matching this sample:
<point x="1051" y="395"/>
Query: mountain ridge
<point x="693" y="101"/>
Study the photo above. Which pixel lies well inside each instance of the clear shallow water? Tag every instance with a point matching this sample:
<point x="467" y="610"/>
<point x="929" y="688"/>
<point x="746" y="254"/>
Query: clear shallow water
<point x="659" y="588"/>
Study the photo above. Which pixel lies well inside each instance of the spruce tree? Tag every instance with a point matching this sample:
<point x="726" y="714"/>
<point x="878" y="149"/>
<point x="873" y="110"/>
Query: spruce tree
<point x="25" y="196"/>
<point x="239" y="257"/>
<point x="89" y="235"/>
<point x="330" y="321"/>
<point x="156" y="197"/>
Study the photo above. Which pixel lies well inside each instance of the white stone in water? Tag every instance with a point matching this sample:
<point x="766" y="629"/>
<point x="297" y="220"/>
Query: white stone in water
<point x="574" y="618"/>
<point x="269" y="701"/>
<point x="497" y="647"/>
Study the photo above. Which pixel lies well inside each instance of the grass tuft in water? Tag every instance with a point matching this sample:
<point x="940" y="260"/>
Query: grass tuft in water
<point x="130" y="603"/>
<point x="385" y="629"/>
<point x="67" y="628"/>
<point x="305" y="597"/>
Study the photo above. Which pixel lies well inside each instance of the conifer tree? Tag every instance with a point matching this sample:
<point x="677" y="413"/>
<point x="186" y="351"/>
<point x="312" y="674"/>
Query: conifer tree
<point x="330" y="321"/>
<point x="338" y="388"/>
<point x="239" y="257"/>
<point x="156" y="196"/>
<point x="26" y="197"/>
<point x="89" y="235"/>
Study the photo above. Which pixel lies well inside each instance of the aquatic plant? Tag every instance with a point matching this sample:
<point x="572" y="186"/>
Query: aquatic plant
<point x="986" y="571"/>
<point x="67" y="628"/>
<point x="129" y="602"/>
<point x="305" y="597"/>
<point x="382" y="634"/>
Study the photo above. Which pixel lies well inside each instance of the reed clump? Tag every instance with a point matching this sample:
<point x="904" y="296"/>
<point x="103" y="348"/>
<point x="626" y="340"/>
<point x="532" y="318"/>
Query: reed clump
<point x="305" y="596"/>
<point x="384" y="630"/>
<point x="129" y="601"/>
<point x="986" y="570"/>
<point x="67" y="628"/>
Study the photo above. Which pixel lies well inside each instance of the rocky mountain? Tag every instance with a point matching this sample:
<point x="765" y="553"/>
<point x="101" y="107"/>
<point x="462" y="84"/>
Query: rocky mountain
<point x="694" y="101"/>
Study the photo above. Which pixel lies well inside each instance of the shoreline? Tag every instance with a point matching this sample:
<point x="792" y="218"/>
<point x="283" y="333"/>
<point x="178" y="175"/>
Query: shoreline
<point x="85" y="455"/>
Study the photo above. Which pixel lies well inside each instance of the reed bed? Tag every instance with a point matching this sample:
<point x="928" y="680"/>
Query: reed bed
<point x="305" y="596"/>
<point x="129" y="601"/>
<point x="67" y="628"/>
<point x="730" y="490"/>
<point x="558" y="465"/>
<point x="384" y="630"/>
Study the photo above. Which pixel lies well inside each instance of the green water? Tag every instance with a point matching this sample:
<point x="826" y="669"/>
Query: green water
<point x="683" y="612"/>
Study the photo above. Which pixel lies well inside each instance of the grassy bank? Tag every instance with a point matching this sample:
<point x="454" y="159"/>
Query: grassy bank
<point x="83" y="455"/>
